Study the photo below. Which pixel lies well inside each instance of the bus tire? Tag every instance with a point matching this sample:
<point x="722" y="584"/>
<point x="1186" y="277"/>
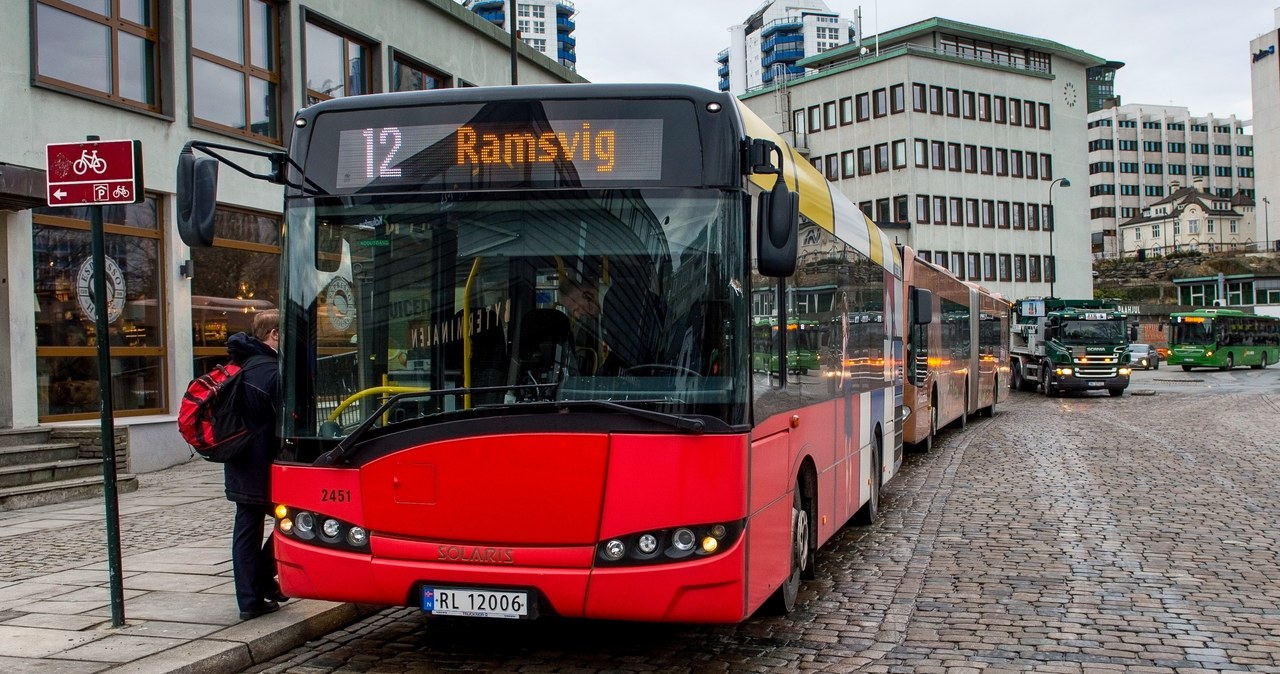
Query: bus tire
<point x="1263" y="364"/>
<point x="1186" y="368"/>
<point x="1015" y="377"/>
<point x="870" y="511"/>
<point x="783" y="600"/>
<point x="964" y="410"/>
<point x="1231" y="362"/>
<point x="1115" y="392"/>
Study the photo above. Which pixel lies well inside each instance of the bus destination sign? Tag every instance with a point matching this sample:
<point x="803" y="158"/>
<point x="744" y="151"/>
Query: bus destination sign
<point x="593" y="151"/>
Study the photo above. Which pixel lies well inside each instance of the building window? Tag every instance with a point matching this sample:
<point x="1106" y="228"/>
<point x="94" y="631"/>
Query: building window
<point x="336" y="65"/>
<point x="935" y="100"/>
<point x="882" y="157"/>
<point x="846" y="111"/>
<point x="1033" y="268"/>
<point x="896" y="98"/>
<point x="900" y="209"/>
<point x="815" y="119"/>
<point x="1002" y="215"/>
<point x="234" y="279"/>
<point x="882" y="210"/>
<point x="863" y="107"/>
<point x="988" y="266"/>
<point x="918" y="97"/>
<point x="999" y="115"/>
<point x="940" y="258"/>
<point x="957" y="265"/>
<point x="1050" y="269"/>
<point x="922" y="209"/>
<point x="955" y="215"/>
<point x="1015" y="163"/>
<point x="864" y="161"/>
<point x="113" y="55"/>
<point x="922" y="153"/>
<point x="953" y="156"/>
<point x="988" y="213"/>
<point x="66" y="321"/>
<point x="1015" y="112"/>
<point x="829" y="113"/>
<point x="1016" y="212"/>
<point x="953" y="102"/>
<point x="1002" y="162"/>
<point x="409" y="75"/>
<point x="1004" y="267"/>
<point x="984" y="107"/>
<point x="899" y="153"/>
<point x="833" y="167"/>
<point x="1046" y="167"/>
<point x="974" y="266"/>
<point x="940" y="211"/>
<point x="235" y="67"/>
<point x="984" y="160"/>
<point x="938" y="156"/>
<point x="1033" y="217"/>
<point x="1019" y="267"/>
<point x="848" y="166"/>
<point x="967" y="104"/>
<point x="1044" y="116"/>
<point x="880" y="99"/>
<point x="971" y="212"/>
<point x="1029" y="114"/>
<point x="971" y="159"/>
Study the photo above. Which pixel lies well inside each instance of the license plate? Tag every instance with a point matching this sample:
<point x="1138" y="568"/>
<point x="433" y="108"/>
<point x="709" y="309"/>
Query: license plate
<point x="1095" y="384"/>
<point x="475" y="603"/>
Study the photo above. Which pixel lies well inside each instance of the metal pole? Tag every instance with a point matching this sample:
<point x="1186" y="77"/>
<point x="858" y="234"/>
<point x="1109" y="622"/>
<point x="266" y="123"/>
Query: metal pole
<point x="515" y="39"/>
<point x="1266" y="211"/>
<point x="100" y="308"/>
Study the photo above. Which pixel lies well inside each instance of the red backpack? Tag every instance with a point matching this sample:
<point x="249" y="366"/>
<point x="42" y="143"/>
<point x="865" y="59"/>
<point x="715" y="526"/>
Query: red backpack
<point x="211" y="417"/>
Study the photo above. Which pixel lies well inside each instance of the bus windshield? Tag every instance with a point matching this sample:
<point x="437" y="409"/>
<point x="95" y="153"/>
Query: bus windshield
<point x="1093" y="332"/>
<point x="1199" y="333"/>
<point x="516" y="298"/>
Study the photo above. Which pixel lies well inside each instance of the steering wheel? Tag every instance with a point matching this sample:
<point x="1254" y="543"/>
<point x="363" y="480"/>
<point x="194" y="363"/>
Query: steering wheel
<point x="654" y="368"/>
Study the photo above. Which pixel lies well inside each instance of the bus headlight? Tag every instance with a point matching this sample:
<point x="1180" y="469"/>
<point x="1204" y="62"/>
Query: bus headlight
<point x="304" y="525"/>
<point x="614" y="550"/>
<point x="648" y="543"/>
<point x="1125" y="371"/>
<point x="1063" y="371"/>
<point x="669" y="545"/>
<point x="357" y="537"/>
<point x="321" y="530"/>
<point x="683" y="540"/>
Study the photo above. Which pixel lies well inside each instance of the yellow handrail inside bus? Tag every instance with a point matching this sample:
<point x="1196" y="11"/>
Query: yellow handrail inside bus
<point x="466" y="332"/>
<point x="375" y="391"/>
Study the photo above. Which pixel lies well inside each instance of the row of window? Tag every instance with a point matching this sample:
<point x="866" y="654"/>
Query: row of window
<point x="1172" y="126"/>
<point x="1193" y="228"/>
<point x="990" y="213"/>
<point x="1152" y="168"/>
<point x="235" y="65"/>
<point x="994" y="267"/>
<point x="930" y="99"/>
<point x="937" y="155"/>
<point x="1174" y="147"/>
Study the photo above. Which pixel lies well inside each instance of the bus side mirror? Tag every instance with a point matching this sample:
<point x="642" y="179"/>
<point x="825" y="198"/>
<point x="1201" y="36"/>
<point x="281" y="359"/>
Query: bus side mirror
<point x="777" y="231"/>
<point x="1133" y="333"/>
<point x="922" y="306"/>
<point x="1050" y="333"/>
<point x="197" y="198"/>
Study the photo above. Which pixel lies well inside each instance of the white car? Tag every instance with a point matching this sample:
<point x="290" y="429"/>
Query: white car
<point x="1143" y="356"/>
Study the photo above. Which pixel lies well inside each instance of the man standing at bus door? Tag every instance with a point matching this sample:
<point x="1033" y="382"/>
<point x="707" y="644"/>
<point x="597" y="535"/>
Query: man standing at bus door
<point x="248" y="477"/>
<point x="580" y="300"/>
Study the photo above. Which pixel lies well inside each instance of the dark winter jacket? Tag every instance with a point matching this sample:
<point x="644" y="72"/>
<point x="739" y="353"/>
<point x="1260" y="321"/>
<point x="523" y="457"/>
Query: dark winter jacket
<point x="248" y="476"/>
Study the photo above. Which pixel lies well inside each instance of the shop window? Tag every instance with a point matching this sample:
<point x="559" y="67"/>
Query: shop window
<point x="410" y="75"/>
<point x="104" y="49"/>
<point x="235" y="66"/>
<point x="234" y="279"/>
<point x="66" y="325"/>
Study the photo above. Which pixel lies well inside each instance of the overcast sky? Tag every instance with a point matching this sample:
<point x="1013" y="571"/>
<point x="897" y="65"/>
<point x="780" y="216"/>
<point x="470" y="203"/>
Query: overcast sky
<point x="1180" y="52"/>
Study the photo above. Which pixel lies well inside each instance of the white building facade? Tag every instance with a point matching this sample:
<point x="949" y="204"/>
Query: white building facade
<point x="164" y="73"/>
<point x="966" y="142"/>
<point x="1136" y="152"/>
<point x="1189" y="219"/>
<point x="1264" y="71"/>
<point x="765" y="49"/>
<point x="545" y="25"/>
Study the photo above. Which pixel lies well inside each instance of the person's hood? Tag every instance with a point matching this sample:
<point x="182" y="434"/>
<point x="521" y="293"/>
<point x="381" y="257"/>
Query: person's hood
<point x="242" y="346"/>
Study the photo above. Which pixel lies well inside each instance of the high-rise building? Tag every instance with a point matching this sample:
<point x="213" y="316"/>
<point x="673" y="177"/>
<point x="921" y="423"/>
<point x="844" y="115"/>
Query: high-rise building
<point x="966" y="142"/>
<point x="767" y="47"/>
<point x="1264" y="72"/>
<point x="1101" y="85"/>
<point x="1137" y="152"/>
<point x="545" y="25"/>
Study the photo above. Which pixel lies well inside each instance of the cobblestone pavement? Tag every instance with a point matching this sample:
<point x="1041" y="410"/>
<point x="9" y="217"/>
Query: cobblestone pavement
<point x="1082" y="534"/>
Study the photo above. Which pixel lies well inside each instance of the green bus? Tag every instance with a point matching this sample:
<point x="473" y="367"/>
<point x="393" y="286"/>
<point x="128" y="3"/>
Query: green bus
<point x="1223" y="338"/>
<point x="804" y="340"/>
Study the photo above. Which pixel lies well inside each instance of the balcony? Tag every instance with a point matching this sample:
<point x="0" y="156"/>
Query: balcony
<point x="493" y="16"/>
<point x="723" y="71"/>
<point x="782" y="56"/>
<point x="781" y="39"/>
<point x="565" y="24"/>
<point x="565" y="7"/>
<point x="567" y="40"/>
<point x="487" y="5"/>
<point x="785" y="23"/>
<point x="723" y="56"/>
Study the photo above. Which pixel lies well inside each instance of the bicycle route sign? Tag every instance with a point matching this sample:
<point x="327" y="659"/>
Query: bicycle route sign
<point x="94" y="173"/>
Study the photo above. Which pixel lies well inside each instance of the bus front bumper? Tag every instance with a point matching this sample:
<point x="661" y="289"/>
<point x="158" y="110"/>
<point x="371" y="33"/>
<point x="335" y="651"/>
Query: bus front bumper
<point x="709" y="590"/>
<point x="1069" y="379"/>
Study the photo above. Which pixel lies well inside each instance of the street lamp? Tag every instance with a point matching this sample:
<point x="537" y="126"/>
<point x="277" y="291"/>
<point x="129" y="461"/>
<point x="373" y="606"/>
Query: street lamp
<point x="1053" y="222"/>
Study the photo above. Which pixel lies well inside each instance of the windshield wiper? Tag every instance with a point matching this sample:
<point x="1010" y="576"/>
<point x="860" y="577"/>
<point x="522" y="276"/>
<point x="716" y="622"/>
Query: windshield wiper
<point x="692" y="425"/>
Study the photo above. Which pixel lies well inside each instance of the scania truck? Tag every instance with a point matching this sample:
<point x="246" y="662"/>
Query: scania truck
<point x="1068" y="345"/>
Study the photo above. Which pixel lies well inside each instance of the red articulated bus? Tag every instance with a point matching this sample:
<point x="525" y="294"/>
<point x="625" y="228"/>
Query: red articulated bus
<point x="516" y="354"/>
<point x="955" y="362"/>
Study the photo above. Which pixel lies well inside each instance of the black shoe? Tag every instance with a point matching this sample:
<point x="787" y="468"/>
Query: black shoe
<point x="277" y="595"/>
<point x="263" y="607"/>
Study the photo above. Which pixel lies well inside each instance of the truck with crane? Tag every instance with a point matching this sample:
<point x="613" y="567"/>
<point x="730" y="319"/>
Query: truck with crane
<point x="1061" y="345"/>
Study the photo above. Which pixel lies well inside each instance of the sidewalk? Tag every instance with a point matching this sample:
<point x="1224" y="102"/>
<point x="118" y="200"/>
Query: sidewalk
<point x="179" y="604"/>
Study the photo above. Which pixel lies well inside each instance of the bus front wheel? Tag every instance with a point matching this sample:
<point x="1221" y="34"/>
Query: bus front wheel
<point x="802" y="556"/>
<point x="870" y="510"/>
<point x="1231" y="362"/>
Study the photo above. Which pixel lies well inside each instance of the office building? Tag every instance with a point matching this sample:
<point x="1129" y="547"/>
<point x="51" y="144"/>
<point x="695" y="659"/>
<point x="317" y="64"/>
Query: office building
<point x="967" y="142"/>
<point x="766" y="49"/>
<point x="164" y="73"/>
<point x="1137" y="152"/>
<point x="1264" y="73"/>
<point x="545" y="25"/>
